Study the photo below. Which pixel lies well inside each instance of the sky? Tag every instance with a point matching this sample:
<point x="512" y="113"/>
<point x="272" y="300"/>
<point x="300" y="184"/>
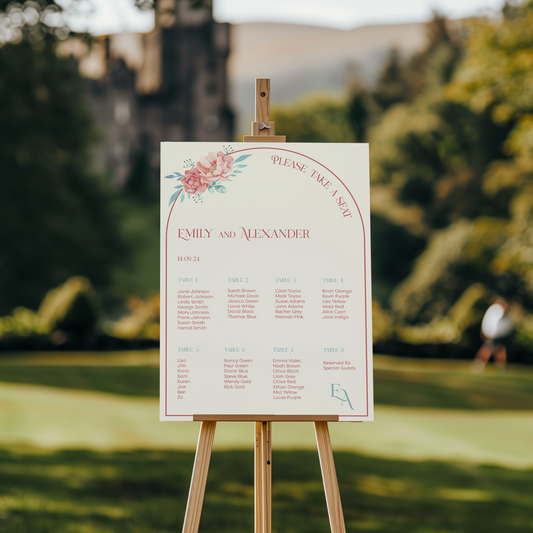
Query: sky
<point x="346" y="14"/>
<point x="117" y="16"/>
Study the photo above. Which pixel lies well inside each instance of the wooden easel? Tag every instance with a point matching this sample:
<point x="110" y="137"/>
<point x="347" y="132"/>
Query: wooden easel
<point x="263" y="131"/>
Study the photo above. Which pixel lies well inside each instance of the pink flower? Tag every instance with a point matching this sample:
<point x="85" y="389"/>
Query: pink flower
<point x="193" y="182"/>
<point x="215" y="167"/>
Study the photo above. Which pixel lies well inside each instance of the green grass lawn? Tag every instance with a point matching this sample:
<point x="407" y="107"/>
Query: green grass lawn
<point x="398" y="382"/>
<point x="81" y="451"/>
<point x="145" y="491"/>
<point x="137" y="381"/>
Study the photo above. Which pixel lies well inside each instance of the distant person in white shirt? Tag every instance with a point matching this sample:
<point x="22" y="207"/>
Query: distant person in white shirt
<point x="496" y="326"/>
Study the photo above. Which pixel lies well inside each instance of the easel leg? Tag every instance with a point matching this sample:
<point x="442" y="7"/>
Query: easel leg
<point x="199" y="477"/>
<point x="267" y="476"/>
<point x="329" y="477"/>
<point x="263" y="477"/>
<point x="258" y="480"/>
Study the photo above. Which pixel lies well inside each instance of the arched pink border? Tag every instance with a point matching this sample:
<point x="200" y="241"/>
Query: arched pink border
<point x="364" y="268"/>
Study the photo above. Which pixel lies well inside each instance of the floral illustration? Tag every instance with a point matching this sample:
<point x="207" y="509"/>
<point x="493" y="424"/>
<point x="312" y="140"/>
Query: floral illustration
<point x="208" y="174"/>
<point x="192" y="182"/>
<point x="215" y="167"/>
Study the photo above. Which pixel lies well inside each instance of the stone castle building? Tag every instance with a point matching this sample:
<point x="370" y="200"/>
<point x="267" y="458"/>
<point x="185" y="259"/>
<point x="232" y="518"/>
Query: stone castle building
<point x="167" y="85"/>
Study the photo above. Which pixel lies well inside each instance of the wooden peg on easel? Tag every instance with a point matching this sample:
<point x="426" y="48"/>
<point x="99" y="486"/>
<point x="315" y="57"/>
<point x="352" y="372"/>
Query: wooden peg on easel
<point x="262" y="129"/>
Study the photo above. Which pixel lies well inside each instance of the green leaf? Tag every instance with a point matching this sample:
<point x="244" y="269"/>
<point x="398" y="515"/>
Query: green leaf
<point x="242" y="158"/>
<point x="173" y="197"/>
<point x="221" y="189"/>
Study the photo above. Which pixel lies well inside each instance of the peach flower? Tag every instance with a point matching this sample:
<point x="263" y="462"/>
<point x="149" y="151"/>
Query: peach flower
<point x="215" y="167"/>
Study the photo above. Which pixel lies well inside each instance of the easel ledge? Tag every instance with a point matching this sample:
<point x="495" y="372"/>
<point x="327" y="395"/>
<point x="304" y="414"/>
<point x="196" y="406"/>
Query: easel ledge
<point x="263" y="426"/>
<point x="266" y="418"/>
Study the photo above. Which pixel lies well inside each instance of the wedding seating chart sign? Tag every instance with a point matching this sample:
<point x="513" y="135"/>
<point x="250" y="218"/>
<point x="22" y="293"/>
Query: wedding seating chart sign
<point x="265" y="280"/>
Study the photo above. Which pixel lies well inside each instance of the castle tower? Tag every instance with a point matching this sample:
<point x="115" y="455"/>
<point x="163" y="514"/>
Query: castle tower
<point x="173" y="87"/>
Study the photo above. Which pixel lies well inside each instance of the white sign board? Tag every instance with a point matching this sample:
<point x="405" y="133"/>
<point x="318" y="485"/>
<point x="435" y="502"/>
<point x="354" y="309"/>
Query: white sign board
<point x="265" y="280"/>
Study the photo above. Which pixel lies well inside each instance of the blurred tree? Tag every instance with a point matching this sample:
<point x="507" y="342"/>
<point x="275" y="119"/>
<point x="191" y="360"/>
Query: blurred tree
<point x="455" y="258"/>
<point x="316" y="119"/>
<point x="434" y="66"/>
<point x="137" y="183"/>
<point x="496" y="78"/>
<point x="362" y="112"/>
<point x="32" y="20"/>
<point x="432" y="150"/>
<point x="393" y="85"/>
<point x="435" y="152"/>
<point x="402" y="80"/>
<point x="467" y="152"/>
<point x="394" y="249"/>
<point x="497" y="75"/>
<point x="55" y="218"/>
<point x="72" y="308"/>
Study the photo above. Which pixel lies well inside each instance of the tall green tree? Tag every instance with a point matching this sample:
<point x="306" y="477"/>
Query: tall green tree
<point x="471" y="142"/>
<point x="432" y="149"/>
<point x="496" y="75"/>
<point x="55" y="214"/>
